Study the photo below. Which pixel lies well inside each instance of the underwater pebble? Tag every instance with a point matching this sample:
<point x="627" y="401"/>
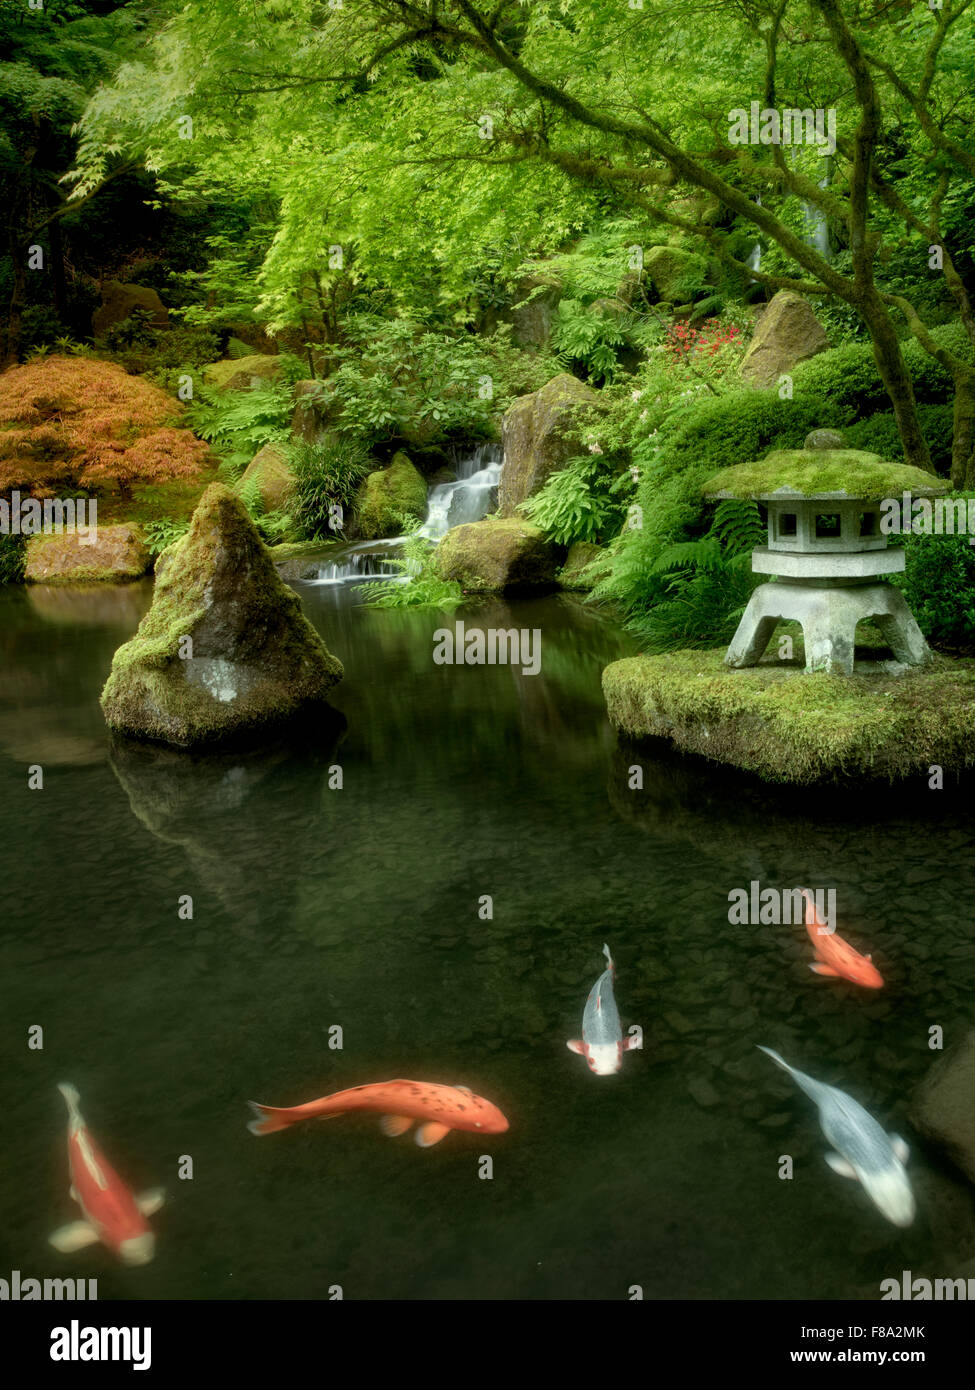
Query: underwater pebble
<point x="703" y="1092"/>
<point x="776" y="1121"/>
<point x="678" y="1023"/>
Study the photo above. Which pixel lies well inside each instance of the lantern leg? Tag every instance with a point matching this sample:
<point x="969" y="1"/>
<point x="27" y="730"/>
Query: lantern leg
<point x="754" y="632"/>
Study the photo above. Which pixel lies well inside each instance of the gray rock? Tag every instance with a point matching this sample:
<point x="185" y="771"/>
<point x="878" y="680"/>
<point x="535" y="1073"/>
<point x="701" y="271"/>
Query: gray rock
<point x="943" y="1107"/>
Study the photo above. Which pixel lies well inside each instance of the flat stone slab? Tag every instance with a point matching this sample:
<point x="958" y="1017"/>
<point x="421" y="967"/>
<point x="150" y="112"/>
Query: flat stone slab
<point x="860" y="564"/>
<point x="786" y="725"/>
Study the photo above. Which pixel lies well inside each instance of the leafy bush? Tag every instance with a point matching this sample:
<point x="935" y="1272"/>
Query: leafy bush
<point x="586" y="341"/>
<point x="424" y="588"/>
<point x="162" y="533"/>
<point x="79" y="421"/>
<point x="849" y="377"/>
<point x="327" y="475"/>
<point x="939" y="585"/>
<point x="878" y="435"/>
<point x="239" y="423"/>
<point x="13" y="558"/>
<point x="575" y="504"/>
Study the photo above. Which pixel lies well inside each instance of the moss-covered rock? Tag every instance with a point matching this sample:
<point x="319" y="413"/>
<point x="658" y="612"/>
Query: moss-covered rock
<point x="111" y="555"/>
<point x="387" y="496"/>
<point x="576" y="574"/>
<point x="540" y="433"/>
<point x="674" y="274"/>
<point x="498" y="555"/>
<point x="823" y="473"/>
<point x="787" y="333"/>
<point x="120" y="301"/>
<point x="267" y="479"/>
<point x="252" y="660"/>
<point x="788" y="726"/>
<point x="243" y="373"/>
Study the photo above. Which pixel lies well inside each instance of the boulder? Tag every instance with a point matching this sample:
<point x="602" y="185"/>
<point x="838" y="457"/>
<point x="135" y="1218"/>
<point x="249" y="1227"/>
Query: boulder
<point x="388" y="495"/>
<point x="943" y="1109"/>
<point x="118" y="302"/>
<point x="268" y="477"/>
<point x="789" y="332"/>
<point x="825" y="439"/>
<point x="253" y="660"/>
<point x="310" y="421"/>
<point x="581" y="555"/>
<point x="116" y="555"/>
<point x="243" y="373"/>
<point x="674" y="273"/>
<point x="534" y="312"/>
<point x="498" y="555"/>
<point x="540" y="434"/>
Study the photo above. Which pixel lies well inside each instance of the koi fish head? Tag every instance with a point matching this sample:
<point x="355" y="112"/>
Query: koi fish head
<point x="862" y="971"/>
<point x="890" y="1192"/>
<point x="137" y="1250"/>
<point x="604" y="1058"/>
<point x="490" y="1120"/>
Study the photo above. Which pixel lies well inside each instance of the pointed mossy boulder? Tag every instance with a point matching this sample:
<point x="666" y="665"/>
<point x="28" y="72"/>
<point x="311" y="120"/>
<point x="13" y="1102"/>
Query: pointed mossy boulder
<point x="225" y="650"/>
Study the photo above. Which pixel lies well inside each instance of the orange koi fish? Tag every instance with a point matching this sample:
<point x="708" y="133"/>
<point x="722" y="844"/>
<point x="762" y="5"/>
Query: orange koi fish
<point x="834" y="956"/>
<point x="441" y="1108"/>
<point x="112" y="1215"/>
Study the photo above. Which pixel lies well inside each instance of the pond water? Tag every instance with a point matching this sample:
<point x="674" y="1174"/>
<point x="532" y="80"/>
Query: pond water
<point x="316" y="906"/>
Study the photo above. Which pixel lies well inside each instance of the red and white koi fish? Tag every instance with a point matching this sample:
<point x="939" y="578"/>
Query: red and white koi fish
<point x="112" y="1214"/>
<point x="602" y="1042"/>
<point x="834" y="956"/>
<point x="441" y="1108"/>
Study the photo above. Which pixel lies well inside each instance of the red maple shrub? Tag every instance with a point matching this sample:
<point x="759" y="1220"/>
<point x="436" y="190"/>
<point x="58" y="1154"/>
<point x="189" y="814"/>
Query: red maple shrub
<point x="78" y="422"/>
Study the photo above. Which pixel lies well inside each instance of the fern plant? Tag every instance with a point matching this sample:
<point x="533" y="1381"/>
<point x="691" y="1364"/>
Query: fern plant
<point x="239" y="423"/>
<point x="575" y="503"/>
<point x="587" y="340"/>
<point x="423" y="586"/>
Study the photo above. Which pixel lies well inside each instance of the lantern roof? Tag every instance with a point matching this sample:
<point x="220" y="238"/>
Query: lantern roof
<point x="819" y="474"/>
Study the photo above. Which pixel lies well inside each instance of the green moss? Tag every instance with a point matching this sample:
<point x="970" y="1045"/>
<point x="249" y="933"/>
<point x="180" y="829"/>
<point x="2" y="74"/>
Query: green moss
<point x="497" y="554"/>
<point x="834" y="472"/>
<point x="789" y="726"/>
<point x="389" y="495"/>
<point x="217" y="586"/>
<point x="260" y="364"/>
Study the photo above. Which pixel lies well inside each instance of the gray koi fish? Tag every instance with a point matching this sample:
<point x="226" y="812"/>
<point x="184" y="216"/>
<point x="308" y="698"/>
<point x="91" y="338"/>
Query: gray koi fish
<point x="863" y="1150"/>
<point x="602" y="1042"/>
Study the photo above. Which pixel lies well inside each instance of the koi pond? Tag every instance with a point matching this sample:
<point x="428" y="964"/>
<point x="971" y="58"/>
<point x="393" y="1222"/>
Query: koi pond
<point x="430" y="886"/>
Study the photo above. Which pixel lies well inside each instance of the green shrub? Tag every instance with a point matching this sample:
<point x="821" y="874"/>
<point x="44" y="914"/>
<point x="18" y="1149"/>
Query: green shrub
<point x="575" y="504"/>
<point x="327" y="475"/>
<point x="878" y="435"/>
<point x="849" y="377"/>
<point x="239" y="423"/>
<point x="162" y="533"/>
<point x="587" y="342"/>
<point x="939" y="585"/>
<point x="13" y="558"/>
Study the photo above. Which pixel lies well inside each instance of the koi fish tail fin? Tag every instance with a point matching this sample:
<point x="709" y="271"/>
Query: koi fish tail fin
<point x="609" y="958"/>
<point x="71" y="1098"/>
<point x="780" y="1061"/>
<point x="267" y="1120"/>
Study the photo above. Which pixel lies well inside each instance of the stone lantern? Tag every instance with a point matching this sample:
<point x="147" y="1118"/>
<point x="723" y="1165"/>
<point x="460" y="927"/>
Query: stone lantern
<point x="827" y="555"/>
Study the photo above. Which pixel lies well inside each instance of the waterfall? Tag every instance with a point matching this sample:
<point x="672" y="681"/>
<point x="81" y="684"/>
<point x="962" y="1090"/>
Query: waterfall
<point x="470" y="498"/>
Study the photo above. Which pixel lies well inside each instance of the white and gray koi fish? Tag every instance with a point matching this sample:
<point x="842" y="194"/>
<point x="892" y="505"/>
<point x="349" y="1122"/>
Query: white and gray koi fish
<point x="863" y="1150"/>
<point x="602" y="1042"/>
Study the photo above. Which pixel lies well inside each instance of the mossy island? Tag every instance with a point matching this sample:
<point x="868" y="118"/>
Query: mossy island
<point x="225" y="651"/>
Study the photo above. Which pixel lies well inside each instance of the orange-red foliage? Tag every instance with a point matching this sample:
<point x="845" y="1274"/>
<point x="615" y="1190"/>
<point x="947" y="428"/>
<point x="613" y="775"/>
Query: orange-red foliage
<point x="80" y="422"/>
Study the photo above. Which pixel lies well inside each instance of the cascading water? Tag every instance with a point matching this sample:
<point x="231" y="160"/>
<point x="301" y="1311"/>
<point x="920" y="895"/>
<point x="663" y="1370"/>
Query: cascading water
<point x="470" y="497"/>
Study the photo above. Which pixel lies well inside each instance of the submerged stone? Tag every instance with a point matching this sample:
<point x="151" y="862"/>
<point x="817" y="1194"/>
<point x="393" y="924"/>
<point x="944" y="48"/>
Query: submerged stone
<point x="943" y="1109"/>
<point x="225" y="650"/>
